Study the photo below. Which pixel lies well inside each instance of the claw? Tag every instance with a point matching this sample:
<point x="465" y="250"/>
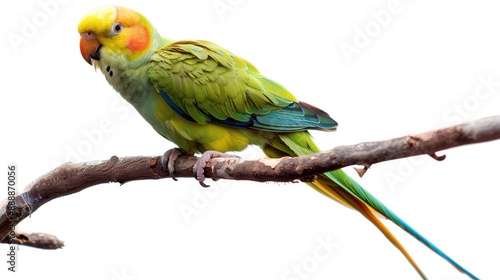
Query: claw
<point x="168" y="161"/>
<point x="199" y="167"/>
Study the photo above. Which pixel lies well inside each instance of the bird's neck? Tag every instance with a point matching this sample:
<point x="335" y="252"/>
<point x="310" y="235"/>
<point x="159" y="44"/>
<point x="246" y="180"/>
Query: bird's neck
<point x="130" y="78"/>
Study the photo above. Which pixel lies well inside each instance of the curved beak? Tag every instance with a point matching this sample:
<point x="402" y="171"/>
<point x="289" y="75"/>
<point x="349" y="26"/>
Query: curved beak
<point x="89" y="49"/>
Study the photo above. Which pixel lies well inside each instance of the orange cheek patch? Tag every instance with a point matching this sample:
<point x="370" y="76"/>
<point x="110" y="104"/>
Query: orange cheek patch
<point x="140" y="40"/>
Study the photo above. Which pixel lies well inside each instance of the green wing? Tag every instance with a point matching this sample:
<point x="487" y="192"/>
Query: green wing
<point x="204" y="83"/>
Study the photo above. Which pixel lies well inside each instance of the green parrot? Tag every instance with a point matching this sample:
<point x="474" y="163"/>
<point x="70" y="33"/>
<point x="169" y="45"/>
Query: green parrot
<point x="207" y="100"/>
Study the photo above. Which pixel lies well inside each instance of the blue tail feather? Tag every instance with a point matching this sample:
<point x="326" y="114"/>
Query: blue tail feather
<point x="355" y="189"/>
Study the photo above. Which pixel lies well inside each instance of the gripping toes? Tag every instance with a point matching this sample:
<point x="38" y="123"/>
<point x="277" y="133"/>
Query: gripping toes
<point x="168" y="160"/>
<point x="199" y="167"/>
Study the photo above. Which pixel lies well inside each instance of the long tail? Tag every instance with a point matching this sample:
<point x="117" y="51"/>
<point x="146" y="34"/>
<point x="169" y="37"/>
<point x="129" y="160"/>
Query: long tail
<point x="340" y="187"/>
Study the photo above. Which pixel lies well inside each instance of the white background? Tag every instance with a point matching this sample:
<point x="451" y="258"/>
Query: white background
<point x="415" y="71"/>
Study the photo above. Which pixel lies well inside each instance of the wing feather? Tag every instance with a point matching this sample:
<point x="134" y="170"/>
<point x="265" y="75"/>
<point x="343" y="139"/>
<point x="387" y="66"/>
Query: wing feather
<point x="207" y="83"/>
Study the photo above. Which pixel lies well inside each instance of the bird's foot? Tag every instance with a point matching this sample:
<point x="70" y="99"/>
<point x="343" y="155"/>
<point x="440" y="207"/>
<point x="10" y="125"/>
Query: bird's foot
<point x="199" y="167"/>
<point x="168" y="160"/>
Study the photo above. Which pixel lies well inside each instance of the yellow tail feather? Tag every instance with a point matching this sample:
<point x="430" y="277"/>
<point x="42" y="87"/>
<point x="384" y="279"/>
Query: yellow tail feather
<point x="338" y="194"/>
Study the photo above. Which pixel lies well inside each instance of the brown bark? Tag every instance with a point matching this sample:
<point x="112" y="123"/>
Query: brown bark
<point x="70" y="178"/>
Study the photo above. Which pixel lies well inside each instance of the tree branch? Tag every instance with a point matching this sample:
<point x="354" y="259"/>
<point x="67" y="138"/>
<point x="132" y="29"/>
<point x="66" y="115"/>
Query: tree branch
<point x="70" y="178"/>
<point x="35" y="239"/>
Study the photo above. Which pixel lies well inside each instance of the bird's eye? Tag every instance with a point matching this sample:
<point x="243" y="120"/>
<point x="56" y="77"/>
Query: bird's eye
<point x="116" y="29"/>
<point x="89" y="35"/>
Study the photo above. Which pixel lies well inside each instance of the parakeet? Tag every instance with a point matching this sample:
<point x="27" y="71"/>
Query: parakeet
<point x="207" y="100"/>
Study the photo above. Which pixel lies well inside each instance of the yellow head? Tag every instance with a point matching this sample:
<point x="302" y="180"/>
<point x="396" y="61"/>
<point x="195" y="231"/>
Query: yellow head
<point x="115" y="29"/>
